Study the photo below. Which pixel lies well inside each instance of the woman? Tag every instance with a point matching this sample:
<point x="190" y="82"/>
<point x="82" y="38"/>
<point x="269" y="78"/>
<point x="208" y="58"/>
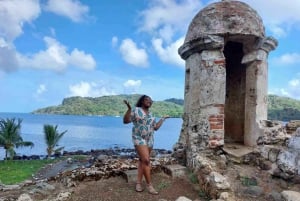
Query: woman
<point x="144" y="125"/>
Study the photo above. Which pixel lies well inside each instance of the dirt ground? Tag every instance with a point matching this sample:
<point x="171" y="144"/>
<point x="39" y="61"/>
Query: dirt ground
<point x="116" y="188"/>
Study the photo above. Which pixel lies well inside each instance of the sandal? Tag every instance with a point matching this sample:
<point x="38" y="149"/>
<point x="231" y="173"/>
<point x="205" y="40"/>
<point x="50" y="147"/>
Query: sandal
<point x="151" y="189"/>
<point x="138" y="187"/>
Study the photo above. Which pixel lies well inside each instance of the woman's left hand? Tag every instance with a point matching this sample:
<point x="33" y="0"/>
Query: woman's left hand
<point x="165" y="117"/>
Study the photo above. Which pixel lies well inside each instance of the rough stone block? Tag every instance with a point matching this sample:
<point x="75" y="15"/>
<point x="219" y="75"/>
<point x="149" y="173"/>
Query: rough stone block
<point x="175" y="170"/>
<point x="130" y="175"/>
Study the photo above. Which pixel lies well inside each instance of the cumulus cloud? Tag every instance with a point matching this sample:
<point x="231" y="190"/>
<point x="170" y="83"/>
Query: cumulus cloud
<point x="132" y="54"/>
<point x="82" y="60"/>
<point x="41" y="89"/>
<point x="169" y="53"/>
<point x="291" y="90"/>
<point x="287" y="59"/>
<point x="279" y="16"/>
<point x="89" y="89"/>
<point x="14" y="14"/>
<point x="8" y="57"/>
<point x="71" y="9"/>
<point x="132" y="86"/>
<point x="163" y="18"/>
<point x="57" y="58"/>
<point x="132" y="83"/>
<point x="294" y="83"/>
<point x="39" y="92"/>
<point x="162" y="21"/>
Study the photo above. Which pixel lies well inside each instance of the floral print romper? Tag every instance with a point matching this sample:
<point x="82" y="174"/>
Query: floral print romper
<point x="143" y="127"/>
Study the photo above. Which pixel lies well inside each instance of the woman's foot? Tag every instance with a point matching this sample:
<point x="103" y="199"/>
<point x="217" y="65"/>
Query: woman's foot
<point x="139" y="187"/>
<point x="151" y="189"/>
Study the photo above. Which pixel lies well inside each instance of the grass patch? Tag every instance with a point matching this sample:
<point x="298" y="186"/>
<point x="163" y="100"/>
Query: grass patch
<point x="163" y="184"/>
<point x="12" y="172"/>
<point x="192" y="177"/>
<point x="246" y="181"/>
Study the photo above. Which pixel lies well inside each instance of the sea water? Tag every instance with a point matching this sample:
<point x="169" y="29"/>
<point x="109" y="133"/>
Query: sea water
<point x="86" y="132"/>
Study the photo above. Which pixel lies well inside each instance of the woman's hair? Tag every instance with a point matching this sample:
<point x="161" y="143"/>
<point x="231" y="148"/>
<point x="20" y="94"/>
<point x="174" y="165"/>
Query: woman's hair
<point x="139" y="103"/>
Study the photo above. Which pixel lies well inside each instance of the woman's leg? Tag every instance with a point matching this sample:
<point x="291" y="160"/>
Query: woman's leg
<point x="144" y="163"/>
<point x="140" y="172"/>
<point x="144" y="155"/>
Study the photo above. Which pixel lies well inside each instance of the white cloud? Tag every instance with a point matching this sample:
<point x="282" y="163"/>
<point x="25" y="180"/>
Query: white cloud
<point x="72" y="9"/>
<point x="166" y="19"/>
<point x="41" y="89"/>
<point x="132" y="86"/>
<point x="132" y="54"/>
<point x="277" y="31"/>
<point x="287" y="59"/>
<point x="82" y="89"/>
<point x="167" y="16"/>
<point x="132" y="83"/>
<point x="279" y="16"/>
<point x="169" y="54"/>
<point x="56" y="58"/>
<point x="82" y="60"/>
<point x="86" y="89"/>
<point x="294" y="83"/>
<point x="14" y="14"/>
<point x="8" y="57"/>
<point x="291" y="90"/>
<point x="38" y="93"/>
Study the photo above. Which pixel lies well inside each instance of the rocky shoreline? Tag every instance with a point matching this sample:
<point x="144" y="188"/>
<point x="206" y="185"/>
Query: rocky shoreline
<point x="114" y="152"/>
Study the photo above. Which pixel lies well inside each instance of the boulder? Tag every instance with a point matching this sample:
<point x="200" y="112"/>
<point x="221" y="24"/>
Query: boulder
<point x="292" y="126"/>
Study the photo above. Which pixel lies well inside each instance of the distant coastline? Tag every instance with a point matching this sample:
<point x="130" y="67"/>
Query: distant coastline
<point x="279" y="108"/>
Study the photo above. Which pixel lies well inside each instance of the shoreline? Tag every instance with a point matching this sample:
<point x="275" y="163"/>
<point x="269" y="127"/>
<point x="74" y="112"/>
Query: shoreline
<point x="113" y="152"/>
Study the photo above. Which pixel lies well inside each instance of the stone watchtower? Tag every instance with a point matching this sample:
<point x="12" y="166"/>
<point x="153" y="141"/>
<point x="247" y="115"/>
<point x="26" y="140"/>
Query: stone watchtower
<point x="226" y="78"/>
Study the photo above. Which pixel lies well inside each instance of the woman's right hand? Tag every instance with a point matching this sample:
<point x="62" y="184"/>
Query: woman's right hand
<point x="127" y="104"/>
<point x="126" y="118"/>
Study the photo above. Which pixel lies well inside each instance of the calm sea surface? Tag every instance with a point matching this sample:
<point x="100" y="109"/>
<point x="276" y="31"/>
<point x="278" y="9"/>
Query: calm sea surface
<point x="87" y="132"/>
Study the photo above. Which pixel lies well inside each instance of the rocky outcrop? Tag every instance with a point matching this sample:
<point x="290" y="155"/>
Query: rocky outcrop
<point x="273" y="133"/>
<point x="292" y="126"/>
<point x="285" y="158"/>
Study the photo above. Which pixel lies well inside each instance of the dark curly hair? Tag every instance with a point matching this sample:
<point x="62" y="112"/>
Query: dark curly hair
<point x="139" y="103"/>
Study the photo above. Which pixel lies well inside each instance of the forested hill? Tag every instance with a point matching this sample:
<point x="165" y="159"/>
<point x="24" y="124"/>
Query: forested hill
<point x="283" y="108"/>
<point x="111" y="105"/>
<point x="279" y="108"/>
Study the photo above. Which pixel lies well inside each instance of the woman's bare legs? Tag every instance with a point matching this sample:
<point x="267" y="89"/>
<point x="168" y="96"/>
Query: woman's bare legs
<point x="144" y="166"/>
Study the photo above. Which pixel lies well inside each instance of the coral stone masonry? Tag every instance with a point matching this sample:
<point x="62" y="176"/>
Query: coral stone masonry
<point x="225" y="98"/>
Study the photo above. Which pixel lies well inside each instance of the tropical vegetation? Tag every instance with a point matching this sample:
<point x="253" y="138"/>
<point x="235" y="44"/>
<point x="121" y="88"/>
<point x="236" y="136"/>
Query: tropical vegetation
<point x="283" y="108"/>
<point x="10" y="136"/>
<point x="279" y="108"/>
<point x="109" y="105"/>
<point x="52" y="138"/>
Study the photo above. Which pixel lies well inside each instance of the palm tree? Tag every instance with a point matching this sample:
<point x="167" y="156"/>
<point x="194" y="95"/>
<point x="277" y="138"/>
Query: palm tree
<point x="52" y="137"/>
<point x="10" y="136"/>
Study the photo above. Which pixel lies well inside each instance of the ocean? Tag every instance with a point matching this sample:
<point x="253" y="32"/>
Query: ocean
<point x="87" y="132"/>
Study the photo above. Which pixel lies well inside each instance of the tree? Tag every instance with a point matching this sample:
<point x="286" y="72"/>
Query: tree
<point x="10" y="136"/>
<point x="52" y="138"/>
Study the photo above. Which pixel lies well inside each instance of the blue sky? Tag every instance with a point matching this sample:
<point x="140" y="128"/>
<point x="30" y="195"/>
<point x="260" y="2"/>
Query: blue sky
<point x="52" y="49"/>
